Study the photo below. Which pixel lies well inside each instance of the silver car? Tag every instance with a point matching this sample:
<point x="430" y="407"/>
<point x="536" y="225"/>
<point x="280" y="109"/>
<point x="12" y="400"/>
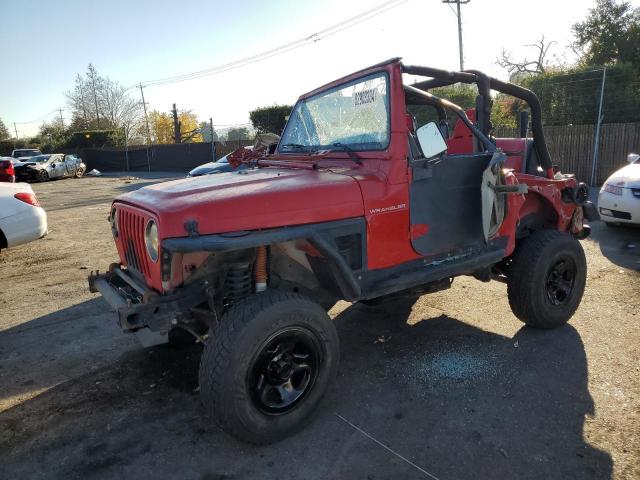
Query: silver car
<point x="44" y="167"/>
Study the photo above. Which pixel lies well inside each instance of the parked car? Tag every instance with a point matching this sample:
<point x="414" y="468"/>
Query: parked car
<point x="619" y="199"/>
<point x="7" y="170"/>
<point x="219" y="166"/>
<point x="44" y="167"/>
<point x="357" y="203"/>
<point x="22" y="219"/>
<point x="25" y="152"/>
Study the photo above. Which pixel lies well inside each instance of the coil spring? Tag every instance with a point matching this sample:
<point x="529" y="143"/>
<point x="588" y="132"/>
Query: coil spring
<point x="238" y="283"/>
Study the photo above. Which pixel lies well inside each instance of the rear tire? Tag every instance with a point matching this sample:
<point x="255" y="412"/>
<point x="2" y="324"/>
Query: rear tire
<point x="547" y="279"/>
<point x="266" y="367"/>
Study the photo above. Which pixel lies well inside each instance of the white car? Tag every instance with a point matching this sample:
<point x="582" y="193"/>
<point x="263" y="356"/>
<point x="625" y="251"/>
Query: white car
<point x="44" y="167"/>
<point x="22" y="219"/>
<point x="619" y="199"/>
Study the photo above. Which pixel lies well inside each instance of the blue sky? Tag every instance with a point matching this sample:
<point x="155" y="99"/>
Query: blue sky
<point x="45" y="44"/>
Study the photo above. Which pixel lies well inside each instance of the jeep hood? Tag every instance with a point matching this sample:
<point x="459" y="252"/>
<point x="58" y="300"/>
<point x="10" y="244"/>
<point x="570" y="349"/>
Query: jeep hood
<point x="249" y="200"/>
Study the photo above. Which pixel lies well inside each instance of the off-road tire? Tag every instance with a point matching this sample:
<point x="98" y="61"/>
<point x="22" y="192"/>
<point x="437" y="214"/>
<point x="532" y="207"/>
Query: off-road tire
<point x="534" y="260"/>
<point x="232" y="351"/>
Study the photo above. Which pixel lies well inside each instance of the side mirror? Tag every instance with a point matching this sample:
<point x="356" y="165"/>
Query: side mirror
<point x="430" y="140"/>
<point x="633" y="158"/>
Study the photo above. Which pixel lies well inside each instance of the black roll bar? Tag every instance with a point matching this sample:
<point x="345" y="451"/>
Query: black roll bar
<point x="442" y="78"/>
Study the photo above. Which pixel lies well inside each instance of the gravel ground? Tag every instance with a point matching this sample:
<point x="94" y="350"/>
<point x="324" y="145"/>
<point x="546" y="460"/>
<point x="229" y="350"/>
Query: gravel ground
<point x="451" y="386"/>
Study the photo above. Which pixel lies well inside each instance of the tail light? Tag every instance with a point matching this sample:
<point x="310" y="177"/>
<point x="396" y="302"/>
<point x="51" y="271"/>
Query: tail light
<point x="28" y="197"/>
<point x="7" y="166"/>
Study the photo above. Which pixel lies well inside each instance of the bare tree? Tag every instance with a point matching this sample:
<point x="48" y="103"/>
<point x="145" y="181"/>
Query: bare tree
<point x="78" y="101"/>
<point x="115" y="104"/>
<point x="99" y="102"/>
<point x="538" y="65"/>
<point x="93" y="79"/>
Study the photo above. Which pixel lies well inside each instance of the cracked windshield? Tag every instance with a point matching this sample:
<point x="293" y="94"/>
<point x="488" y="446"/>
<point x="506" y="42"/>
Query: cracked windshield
<point x="355" y="116"/>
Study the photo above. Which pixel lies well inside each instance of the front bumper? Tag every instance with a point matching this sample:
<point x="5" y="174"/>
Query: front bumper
<point x="26" y="174"/>
<point x="138" y="306"/>
<point x="623" y="208"/>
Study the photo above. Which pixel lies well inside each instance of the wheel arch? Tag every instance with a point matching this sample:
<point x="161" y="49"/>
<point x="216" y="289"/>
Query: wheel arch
<point x="536" y="213"/>
<point x="336" y="250"/>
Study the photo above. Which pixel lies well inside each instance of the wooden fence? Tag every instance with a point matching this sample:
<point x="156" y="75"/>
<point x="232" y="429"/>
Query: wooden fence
<point x="571" y="147"/>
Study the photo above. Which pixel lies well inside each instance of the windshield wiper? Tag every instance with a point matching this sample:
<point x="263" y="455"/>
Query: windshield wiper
<point x="295" y="146"/>
<point x="352" y="154"/>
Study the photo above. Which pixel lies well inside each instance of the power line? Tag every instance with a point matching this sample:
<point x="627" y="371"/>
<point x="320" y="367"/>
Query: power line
<point x="308" y="39"/>
<point x="285" y="48"/>
<point x="39" y="118"/>
<point x="228" y="125"/>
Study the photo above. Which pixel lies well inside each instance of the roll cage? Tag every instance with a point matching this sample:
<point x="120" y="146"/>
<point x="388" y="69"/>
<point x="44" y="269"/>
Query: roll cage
<point x="484" y="83"/>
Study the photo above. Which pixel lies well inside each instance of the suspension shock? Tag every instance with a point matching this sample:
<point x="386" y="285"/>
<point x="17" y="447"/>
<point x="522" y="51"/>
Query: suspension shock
<point x="238" y="282"/>
<point x="260" y="271"/>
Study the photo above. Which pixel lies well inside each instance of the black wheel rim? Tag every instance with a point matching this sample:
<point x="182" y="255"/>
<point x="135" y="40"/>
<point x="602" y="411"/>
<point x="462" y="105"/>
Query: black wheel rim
<point x="561" y="279"/>
<point x="284" y="371"/>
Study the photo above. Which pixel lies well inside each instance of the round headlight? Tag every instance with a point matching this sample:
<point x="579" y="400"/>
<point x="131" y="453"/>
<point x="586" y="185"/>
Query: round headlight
<point x="151" y="240"/>
<point x="113" y="219"/>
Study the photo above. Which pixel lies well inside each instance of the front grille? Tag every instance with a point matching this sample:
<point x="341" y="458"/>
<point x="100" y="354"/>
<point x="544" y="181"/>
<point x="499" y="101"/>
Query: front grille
<point x="131" y="230"/>
<point x="636" y="192"/>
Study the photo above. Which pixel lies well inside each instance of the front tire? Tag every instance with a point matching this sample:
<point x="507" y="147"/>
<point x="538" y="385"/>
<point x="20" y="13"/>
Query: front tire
<point x="43" y="176"/>
<point x="266" y="367"/>
<point x="547" y="279"/>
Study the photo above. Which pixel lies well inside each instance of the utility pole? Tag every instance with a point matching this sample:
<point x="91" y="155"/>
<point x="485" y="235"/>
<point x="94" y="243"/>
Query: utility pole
<point x="176" y="124"/>
<point x="213" y="141"/>
<point x="596" y="147"/>
<point x="459" y="15"/>
<point x="146" y="117"/>
<point x="15" y="129"/>
<point x="61" y="119"/>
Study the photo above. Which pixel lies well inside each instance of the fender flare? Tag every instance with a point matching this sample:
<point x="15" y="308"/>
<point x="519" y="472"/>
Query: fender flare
<point x="320" y="235"/>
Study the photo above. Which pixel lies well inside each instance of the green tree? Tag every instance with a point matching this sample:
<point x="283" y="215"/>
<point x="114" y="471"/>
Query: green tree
<point x="4" y="132"/>
<point x="270" y="119"/>
<point x="53" y="135"/>
<point x="573" y="96"/>
<point x="461" y="94"/>
<point x="240" y="133"/>
<point x="610" y="34"/>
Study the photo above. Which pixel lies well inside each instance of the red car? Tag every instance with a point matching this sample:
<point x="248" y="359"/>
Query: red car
<point x="7" y="172"/>
<point x="369" y="194"/>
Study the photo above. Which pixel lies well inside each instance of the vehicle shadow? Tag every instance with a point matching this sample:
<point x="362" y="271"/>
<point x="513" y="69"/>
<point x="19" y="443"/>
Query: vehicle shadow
<point x="57" y="347"/>
<point x="619" y="244"/>
<point x="457" y="401"/>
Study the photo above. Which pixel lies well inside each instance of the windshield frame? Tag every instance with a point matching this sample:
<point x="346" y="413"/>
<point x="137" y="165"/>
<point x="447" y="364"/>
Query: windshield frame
<point x="315" y="148"/>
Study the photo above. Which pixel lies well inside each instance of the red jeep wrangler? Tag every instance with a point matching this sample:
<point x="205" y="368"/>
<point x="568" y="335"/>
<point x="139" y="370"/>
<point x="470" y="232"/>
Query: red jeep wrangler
<point x="368" y="194"/>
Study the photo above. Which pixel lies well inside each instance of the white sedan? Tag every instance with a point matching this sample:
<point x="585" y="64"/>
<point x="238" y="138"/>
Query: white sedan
<point x="22" y="219"/>
<point x="619" y="199"/>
